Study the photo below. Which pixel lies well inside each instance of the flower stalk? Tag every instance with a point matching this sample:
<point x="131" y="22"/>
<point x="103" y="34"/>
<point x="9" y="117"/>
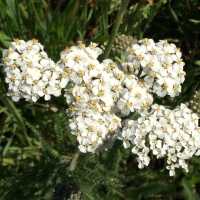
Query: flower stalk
<point x="74" y="159"/>
<point x="115" y="29"/>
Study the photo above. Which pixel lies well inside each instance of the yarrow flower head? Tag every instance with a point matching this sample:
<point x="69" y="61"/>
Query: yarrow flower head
<point x="29" y="72"/>
<point x="91" y="93"/>
<point x="173" y="134"/>
<point x="100" y="95"/>
<point x="161" y="63"/>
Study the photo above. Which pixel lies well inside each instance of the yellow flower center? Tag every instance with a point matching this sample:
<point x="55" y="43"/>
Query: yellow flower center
<point x="128" y="104"/>
<point x="77" y="58"/>
<point x="91" y="66"/>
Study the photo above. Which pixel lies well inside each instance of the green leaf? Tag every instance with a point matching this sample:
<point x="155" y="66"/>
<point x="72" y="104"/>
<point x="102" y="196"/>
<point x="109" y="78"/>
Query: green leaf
<point x="7" y="146"/>
<point x="15" y="112"/>
<point x="197" y="62"/>
<point x="8" y="161"/>
<point x="71" y="10"/>
<point x="4" y="39"/>
<point x="189" y="190"/>
<point x="12" y="14"/>
<point x="12" y="8"/>
<point x="194" y="21"/>
<point x="194" y="180"/>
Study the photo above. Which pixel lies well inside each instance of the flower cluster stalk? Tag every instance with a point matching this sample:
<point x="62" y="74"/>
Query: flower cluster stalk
<point x="115" y="29"/>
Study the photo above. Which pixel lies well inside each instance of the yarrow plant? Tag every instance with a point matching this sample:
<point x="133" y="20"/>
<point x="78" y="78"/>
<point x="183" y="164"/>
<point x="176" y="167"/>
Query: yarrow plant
<point x="102" y="95"/>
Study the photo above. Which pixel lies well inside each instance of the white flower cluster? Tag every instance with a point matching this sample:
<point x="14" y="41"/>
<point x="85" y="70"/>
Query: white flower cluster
<point x="161" y="64"/>
<point x="91" y="93"/>
<point x="134" y="96"/>
<point x="100" y="94"/>
<point x="173" y="134"/>
<point x="30" y="73"/>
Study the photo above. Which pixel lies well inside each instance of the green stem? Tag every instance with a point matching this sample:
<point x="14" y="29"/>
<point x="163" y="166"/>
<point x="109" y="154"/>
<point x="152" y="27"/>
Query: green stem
<point x="115" y="29"/>
<point x="74" y="159"/>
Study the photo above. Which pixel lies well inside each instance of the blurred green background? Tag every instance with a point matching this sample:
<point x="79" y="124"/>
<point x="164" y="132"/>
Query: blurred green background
<point x="36" y="146"/>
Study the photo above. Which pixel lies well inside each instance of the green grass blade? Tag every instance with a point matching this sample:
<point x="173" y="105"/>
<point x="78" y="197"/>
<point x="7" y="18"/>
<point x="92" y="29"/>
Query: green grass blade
<point x="7" y="146"/>
<point x="14" y="111"/>
<point x="4" y="39"/>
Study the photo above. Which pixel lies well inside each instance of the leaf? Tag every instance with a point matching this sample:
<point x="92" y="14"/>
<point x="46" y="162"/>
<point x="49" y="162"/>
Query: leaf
<point x="194" y="180"/>
<point x="71" y="11"/>
<point x="12" y="8"/>
<point x="173" y="14"/>
<point x="189" y="190"/>
<point x="23" y="11"/>
<point x="15" y="112"/>
<point x="13" y="14"/>
<point x="8" y="161"/>
<point x="7" y="146"/>
<point x="4" y="39"/>
<point x="197" y="62"/>
<point x="194" y="21"/>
